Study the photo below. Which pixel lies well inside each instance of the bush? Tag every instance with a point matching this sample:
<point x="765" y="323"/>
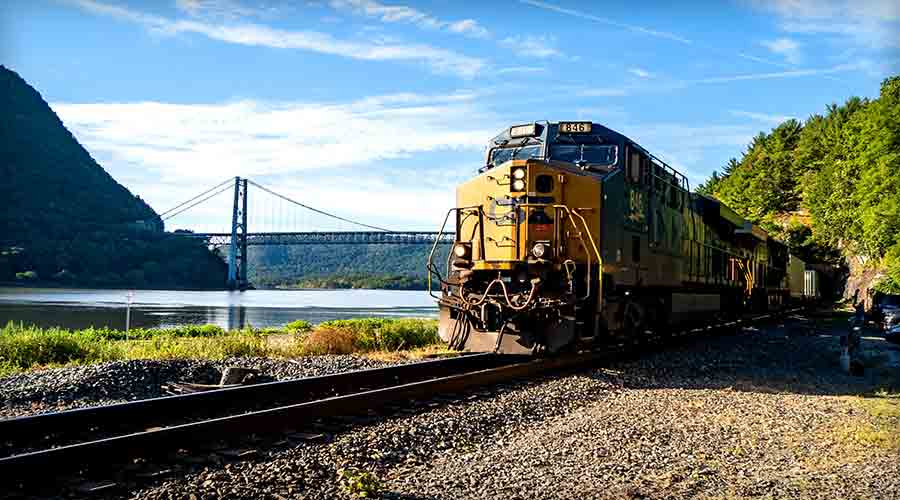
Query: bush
<point x="330" y="340"/>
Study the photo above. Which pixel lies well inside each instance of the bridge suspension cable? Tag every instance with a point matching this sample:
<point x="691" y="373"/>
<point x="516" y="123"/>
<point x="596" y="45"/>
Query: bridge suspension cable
<point x="192" y="205"/>
<point x="228" y="181"/>
<point x="285" y="198"/>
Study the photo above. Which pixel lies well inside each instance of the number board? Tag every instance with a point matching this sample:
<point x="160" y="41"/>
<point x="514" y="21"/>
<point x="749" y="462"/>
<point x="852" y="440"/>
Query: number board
<point x="575" y="127"/>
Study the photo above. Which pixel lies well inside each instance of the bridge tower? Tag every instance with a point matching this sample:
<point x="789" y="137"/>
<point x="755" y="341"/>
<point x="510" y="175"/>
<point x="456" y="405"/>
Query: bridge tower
<point x="237" y="254"/>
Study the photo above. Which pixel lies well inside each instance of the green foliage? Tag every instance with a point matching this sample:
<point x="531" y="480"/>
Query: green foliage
<point x="829" y="185"/>
<point x="359" y="483"/>
<point x="26" y="347"/>
<point x="69" y="221"/>
<point x="225" y="346"/>
<point x="27" y="276"/>
<point x="360" y="281"/>
<point x="186" y="331"/>
<point x="394" y="267"/>
<point x="890" y="283"/>
<point x="298" y="326"/>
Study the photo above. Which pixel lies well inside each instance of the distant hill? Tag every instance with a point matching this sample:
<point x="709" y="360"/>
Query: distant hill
<point x="65" y="219"/>
<point x="342" y="266"/>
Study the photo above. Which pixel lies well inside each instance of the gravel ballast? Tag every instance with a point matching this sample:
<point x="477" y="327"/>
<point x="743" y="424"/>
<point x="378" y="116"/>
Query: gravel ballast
<point x="58" y="389"/>
<point x="763" y="413"/>
<point x="760" y="414"/>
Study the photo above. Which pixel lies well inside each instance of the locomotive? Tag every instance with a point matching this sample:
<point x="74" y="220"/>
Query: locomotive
<point x="572" y="235"/>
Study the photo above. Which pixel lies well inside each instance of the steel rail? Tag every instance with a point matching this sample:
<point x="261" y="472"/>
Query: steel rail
<point x="76" y="457"/>
<point x="141" y="414"/>
<point x="34" y="466"/>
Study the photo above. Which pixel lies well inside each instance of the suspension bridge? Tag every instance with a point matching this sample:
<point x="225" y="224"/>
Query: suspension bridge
<point x="280" y="223"/>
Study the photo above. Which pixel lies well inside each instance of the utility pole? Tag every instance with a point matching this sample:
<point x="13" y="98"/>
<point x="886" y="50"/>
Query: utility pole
<point x="237" y="253"/>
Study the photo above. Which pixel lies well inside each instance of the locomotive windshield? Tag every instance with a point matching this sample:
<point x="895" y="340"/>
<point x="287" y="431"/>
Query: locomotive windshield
<point x="502" y="155"/>
<point x="590" y="153"/>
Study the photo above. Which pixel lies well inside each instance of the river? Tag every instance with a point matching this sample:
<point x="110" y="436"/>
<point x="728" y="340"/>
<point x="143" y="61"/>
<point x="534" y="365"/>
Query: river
<point x="81" y="308"/>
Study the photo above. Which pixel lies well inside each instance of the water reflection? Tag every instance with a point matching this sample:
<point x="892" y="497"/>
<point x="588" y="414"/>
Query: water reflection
<point x="163" y="308"/>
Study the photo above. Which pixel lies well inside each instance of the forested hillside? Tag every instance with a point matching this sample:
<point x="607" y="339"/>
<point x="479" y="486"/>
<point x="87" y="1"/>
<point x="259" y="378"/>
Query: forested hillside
<point x="829" y="186"/>
<point x="342" y="266"/>
<point x="66" y="220"/>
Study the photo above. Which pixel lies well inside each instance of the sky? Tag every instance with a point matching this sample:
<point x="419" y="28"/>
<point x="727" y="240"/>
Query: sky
<point x="376" y="109"/>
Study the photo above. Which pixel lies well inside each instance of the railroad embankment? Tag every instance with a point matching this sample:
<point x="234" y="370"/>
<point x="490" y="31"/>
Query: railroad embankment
<point x="762" y="413"/>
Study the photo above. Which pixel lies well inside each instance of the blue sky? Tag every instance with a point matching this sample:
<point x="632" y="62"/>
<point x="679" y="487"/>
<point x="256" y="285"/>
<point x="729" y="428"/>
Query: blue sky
<point x="376" y="109"/>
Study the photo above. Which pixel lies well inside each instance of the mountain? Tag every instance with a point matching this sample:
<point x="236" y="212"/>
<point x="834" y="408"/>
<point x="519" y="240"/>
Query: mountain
<point x="65" y="219"/>
<point x="48" y="176"/>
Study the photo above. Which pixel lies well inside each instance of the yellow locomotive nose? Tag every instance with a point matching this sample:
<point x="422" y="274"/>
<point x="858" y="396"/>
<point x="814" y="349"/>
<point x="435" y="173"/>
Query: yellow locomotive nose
<point x="519" y="221"/>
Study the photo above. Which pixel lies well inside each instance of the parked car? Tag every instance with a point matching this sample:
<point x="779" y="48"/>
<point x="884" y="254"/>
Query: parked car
<point x="887" y="310"/>
<point x="893" y="335"/>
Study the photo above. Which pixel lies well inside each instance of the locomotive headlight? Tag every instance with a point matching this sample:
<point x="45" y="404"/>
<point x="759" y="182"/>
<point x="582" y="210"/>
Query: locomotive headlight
<point x="462" y="250"/>
<point x="518" y="173"/>
<point x="518" y="184"/>
<point x="539" y="250"/>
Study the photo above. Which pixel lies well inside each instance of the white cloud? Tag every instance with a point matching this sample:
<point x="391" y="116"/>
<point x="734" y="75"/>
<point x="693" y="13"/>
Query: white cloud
<point x="869" y="23"/>
<point x="761" y="117"/>
<point x="785" y="47"/>
<point x="520" y="70"/>
<point x="532" y="46"/>
<point x="603" y="20"/>
<point x="405" y="14"/>
<point x="781" y="74"/>
<point x="880" y="10"/>
<point x="469" y="27"/>
<point x="439" y="60"/>
<point x="169" y="152"/>
<point x="640" y="73"/>
<point x="222" y="9"/>
<point x="603" y="92"/>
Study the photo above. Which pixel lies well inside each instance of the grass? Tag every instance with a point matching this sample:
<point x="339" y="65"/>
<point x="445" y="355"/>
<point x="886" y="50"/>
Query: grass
<point x="874" y="429"/>
<point x="883" y="428"/>
<point x="28" y="347"/>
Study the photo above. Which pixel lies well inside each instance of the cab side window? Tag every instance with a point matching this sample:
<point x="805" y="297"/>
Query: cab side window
<point x="634" y="167"/>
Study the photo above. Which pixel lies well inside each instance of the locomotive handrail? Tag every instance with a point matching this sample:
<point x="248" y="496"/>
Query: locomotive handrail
<point x="430" y="264"/>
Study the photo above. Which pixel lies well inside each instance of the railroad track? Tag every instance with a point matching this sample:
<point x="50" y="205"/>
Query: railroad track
<point x="71" y="442"/>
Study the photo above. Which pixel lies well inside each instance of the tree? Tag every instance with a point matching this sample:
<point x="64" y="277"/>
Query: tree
<point x="842" y="168"/>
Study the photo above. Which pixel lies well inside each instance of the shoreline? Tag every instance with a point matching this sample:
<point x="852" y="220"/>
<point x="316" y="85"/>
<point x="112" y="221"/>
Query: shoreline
<point x="26" y="349"/>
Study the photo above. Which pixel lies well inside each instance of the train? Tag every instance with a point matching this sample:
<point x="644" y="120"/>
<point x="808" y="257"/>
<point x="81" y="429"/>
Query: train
<point x="572" y="235"/>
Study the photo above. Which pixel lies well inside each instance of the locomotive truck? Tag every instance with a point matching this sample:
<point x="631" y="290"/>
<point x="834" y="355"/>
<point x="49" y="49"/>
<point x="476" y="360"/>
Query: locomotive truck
<point x="572" y="235"/>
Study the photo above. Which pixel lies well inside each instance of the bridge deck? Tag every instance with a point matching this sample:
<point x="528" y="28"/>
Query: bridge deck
<point x="330" y="238"/>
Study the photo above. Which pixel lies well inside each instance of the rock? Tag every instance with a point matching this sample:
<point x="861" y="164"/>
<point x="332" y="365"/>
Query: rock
<point x="237" y="375"/>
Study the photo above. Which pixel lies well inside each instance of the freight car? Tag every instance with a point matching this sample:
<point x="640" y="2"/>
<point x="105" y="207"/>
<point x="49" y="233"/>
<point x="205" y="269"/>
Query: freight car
<point x="574" y="235"/>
